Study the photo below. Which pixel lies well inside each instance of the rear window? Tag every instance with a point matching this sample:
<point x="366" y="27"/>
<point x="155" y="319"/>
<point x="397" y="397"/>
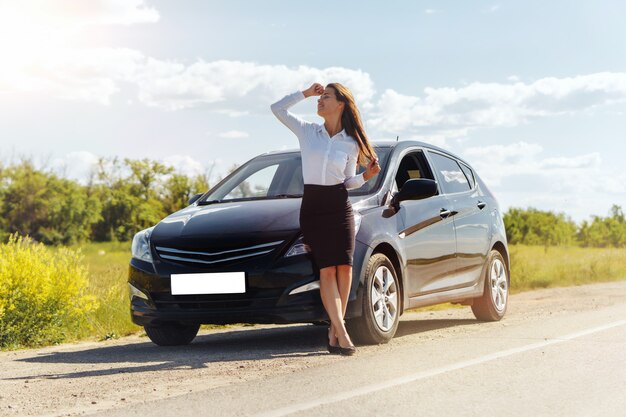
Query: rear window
<point x="469" y="174"/>
<point x="452" y="178"/>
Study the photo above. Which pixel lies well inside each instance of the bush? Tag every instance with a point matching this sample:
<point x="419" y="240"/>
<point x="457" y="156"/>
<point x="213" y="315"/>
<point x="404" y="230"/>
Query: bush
<point x="43" y="296"/>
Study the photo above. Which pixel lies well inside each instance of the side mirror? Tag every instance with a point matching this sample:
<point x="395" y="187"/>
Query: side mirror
<point x="416" y="189"/>
<point x="195" y="198"/>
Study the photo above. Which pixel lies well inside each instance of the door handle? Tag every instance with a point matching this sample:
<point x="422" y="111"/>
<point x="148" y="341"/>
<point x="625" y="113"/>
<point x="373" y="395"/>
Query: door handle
<point x="443" y="213"/>
<point x="481" y="205"/>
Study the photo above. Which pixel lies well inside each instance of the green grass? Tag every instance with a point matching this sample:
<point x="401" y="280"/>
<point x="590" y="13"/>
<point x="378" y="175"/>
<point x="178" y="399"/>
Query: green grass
<point x="108" y="272"/>
<point x="532" y="267"/>
<point x="537" y="267"/>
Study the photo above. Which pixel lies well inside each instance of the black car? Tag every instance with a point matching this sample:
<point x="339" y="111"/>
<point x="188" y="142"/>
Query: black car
<point x="428" y="231"/>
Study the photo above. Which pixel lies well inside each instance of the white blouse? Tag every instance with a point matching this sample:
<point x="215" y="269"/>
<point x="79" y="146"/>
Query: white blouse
<point x="325" y="160"/>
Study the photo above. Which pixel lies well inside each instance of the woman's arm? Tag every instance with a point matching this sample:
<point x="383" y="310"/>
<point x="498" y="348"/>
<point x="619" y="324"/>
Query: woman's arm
<point x="356" y="181"/>
<point x="293" y="122"/>
<point x="352" y="180"/>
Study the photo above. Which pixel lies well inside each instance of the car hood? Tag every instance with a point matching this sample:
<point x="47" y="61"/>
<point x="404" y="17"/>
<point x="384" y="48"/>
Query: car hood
<point x="222" y="220"/>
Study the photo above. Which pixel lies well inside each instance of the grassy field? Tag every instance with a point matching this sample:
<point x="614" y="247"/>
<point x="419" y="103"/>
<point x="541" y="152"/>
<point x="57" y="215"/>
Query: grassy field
<point x="532" y="267"/>
<point x="537" y="267"/>
<point x="108" y="272"/>
<point x="107" y="264"/>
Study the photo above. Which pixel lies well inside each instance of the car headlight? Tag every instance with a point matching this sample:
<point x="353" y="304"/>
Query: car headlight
<point x="141" y="245"/>
<point x="299" y="248"/>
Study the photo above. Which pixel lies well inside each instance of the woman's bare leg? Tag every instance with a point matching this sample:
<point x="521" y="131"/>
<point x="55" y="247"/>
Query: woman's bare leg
<point x="344" y="282"/>
<point x="331" y="299"/>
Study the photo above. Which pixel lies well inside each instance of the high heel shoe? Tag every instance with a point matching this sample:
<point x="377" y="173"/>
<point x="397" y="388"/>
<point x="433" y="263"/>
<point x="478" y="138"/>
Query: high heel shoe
<point x="331" y="348"/>
<point x="347" y="351"/>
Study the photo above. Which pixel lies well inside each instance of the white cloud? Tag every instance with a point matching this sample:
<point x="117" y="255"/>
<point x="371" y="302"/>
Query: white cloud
<point x="72" y="15"/>
<point x="492" y="9"/>
<point x="77" y="166"/>
<point x="591" y="160"/>
<point x="521" y="176"/>
<point x="234" y="134"/>
<point x="40" y="56"/>
<point x="232" y="113"/>
<point x="90" y="75"/>
<point x="185" y="165"/>
<point x="480" y="105"/>
<point x="237" y="84"/>
<point x="230" y="87"/>
<point x="431" y="11"/>
<point x="81" y="165"/>
<point x="495" y="162"/>
<point x="37" y="39"/>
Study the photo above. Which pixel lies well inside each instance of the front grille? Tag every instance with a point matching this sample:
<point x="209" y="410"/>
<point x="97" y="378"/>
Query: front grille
<point x="212" y="258"/>
<point x="215" y="301"/>
<point x="201" y="305"/>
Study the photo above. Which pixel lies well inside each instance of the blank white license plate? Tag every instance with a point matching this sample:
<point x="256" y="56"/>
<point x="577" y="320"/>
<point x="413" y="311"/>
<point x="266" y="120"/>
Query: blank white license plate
<point x="209" y="283"/>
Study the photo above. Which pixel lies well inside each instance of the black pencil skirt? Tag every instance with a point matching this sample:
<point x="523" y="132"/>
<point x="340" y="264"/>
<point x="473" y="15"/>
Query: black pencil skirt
<point x="327" y="224"/>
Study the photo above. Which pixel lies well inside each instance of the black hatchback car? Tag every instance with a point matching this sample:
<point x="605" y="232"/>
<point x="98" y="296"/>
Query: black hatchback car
<point x="428" y="231"/>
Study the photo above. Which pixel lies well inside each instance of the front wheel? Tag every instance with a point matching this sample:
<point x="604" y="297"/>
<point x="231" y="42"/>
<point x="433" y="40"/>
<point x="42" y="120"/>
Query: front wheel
<point x="380" y="304"/>
<point x="492" y="305"/>
<point x="172" y="334"/>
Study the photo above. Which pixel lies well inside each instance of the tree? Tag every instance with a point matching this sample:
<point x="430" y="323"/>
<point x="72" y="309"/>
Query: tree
<point x="146" y="177"/>
<point x="535" y="227"/>
<point x="49" y="209"/>
<point x="131" y="197"/>
<point x="604" y="231"/>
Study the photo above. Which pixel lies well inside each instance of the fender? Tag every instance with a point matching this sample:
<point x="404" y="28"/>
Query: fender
<point x="358" y="285"/>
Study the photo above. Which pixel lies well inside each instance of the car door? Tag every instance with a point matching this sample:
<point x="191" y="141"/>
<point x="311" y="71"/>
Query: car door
<point x="428" y="235"/>
<point x="470" y="217"/>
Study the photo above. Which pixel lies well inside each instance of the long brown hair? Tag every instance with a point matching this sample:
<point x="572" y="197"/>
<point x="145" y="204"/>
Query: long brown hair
<point x="351" y="122"/>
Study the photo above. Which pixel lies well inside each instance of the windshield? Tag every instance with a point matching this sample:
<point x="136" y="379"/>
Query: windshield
<point x="278" y="176"/>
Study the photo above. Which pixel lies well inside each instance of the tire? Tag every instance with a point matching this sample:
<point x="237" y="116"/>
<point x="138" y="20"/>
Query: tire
<point x="494" y="301"/>
<point x="380" y="308"/>
<point x="172" y="334"/>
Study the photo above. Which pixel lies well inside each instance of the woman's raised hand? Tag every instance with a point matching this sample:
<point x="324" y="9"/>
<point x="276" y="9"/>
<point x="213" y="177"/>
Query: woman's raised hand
<point x="315" y="89"/>
<point x="372" y="169"/>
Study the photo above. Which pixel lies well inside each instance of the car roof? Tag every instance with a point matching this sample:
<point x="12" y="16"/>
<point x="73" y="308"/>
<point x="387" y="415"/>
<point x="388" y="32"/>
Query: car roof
<point x="394" y="144"/>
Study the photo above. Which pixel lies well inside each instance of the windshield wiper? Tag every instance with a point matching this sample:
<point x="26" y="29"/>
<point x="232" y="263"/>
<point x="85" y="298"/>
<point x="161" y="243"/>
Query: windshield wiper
<point x="287" y="196"/>
<point x="207" y="202"/>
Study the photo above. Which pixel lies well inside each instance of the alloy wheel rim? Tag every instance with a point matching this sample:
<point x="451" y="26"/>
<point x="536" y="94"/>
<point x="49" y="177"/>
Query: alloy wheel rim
<point x="384" y="298"/>
<point x="499" y="284"/>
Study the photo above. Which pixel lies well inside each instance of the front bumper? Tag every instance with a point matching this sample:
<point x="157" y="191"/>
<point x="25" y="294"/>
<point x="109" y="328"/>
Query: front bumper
<point x="266" y="299"/>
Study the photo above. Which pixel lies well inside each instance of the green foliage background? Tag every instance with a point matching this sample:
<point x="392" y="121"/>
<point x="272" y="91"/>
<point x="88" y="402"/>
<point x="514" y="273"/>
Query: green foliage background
<point x="545" y="228"/>
<point x="75" y="287"/>
<point x="121" y="198"/>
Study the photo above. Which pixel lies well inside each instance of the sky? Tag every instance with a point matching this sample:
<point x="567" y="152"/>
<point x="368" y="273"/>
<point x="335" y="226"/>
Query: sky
<point x="532" y="93"/>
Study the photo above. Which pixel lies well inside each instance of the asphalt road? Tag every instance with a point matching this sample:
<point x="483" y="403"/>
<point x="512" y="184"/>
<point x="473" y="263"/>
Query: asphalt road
<point x="558" y="352"/>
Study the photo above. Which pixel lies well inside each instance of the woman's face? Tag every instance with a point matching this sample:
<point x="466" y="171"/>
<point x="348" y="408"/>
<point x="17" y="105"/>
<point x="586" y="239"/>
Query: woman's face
<point x="327" y="103"/>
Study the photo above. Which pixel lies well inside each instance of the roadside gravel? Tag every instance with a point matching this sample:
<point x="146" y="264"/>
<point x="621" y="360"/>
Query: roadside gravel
<point x="81" y="378"/>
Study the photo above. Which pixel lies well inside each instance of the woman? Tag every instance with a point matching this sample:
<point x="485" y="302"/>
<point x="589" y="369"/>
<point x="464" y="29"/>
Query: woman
<point x="330" y="153"/>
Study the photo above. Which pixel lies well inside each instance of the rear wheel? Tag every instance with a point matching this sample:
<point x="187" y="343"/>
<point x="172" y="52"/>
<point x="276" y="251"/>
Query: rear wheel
<point x="492" y="305"/>
<point x="172" y="334"/>
<point x="380" y="304"/>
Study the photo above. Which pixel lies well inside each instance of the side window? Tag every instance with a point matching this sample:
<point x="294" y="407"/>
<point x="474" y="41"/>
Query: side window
<point x="454" y="180"/>
<point x="469" y="174"/>
<point x="412" y="166"/>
